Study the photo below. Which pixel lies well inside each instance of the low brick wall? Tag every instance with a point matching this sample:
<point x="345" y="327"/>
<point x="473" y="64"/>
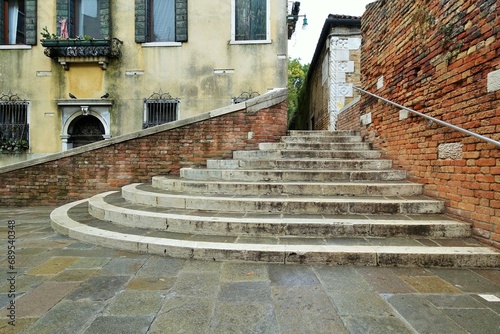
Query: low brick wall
<point x="439" y="58"/>
<point x="136" y="157"/>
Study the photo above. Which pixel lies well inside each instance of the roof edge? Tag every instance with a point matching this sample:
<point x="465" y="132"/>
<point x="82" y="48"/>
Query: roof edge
<point x="331" y="21"/>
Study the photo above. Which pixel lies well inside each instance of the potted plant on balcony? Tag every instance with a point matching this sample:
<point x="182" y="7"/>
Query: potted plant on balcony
<point x="52" y="40"/>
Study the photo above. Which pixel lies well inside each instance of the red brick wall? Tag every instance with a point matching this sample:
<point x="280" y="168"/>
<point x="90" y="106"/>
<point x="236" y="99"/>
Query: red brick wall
<point x="137" y="160"/>
<point x="434" y="57"/>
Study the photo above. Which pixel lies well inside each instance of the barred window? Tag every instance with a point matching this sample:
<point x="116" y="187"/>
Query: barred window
<point x="14" y="127"/>
<point x="160" y="109"/>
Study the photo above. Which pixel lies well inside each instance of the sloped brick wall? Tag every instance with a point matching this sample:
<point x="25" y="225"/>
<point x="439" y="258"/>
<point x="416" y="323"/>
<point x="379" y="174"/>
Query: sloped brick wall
<point x="435" y="57"/>
<point x="108" y="165"/>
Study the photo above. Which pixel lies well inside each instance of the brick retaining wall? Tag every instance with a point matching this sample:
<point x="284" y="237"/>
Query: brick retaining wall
<point x="136" y="157"/>
<point x="439" y="58"/>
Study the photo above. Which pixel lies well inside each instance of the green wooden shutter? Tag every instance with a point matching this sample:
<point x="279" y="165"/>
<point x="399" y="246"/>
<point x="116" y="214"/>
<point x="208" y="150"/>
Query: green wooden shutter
<point x="181" y="20"/>
<point x="141" y="22"/>
<point x="30" y="9"/>
<point x="258" y="25"/>
<point x="105" y="18"/>
<point x="242" y="20"/>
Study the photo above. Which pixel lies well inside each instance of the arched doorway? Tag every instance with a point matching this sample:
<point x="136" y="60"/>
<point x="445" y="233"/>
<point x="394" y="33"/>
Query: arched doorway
<point x="84" y="130"/>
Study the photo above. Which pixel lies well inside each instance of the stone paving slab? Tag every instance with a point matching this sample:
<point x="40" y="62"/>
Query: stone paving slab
<point x="99" y="290"/>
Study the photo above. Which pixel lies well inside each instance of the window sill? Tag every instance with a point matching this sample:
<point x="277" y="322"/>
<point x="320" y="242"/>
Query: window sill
<point x="15" y="47"/>
<point x="267" y="41"/>
<point x="156" y="44"/>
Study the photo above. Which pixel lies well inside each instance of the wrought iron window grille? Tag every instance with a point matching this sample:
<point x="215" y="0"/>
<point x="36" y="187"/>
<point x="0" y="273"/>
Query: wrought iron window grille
<point x="244" y="96"/>
<point x="160" y="108"/>
<point x="14" y="126"/>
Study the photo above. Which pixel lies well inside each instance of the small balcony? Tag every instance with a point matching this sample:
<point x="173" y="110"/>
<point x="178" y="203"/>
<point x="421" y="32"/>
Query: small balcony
<point x="67" y="51"/>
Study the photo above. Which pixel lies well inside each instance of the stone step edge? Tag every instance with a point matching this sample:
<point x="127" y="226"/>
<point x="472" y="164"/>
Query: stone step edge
<point x="345" y="204"/>
<point x="294" y="150"/>
<point x="367" y="183"/>
<point x="302" y="164"/>
<point x="350" y="175"/>
<point x="322" y="254"/>
<point x="305" y="188"/>
<point x="100" y="209"/>
<point x="320" y="132"/>
<point x="133" y="187"/>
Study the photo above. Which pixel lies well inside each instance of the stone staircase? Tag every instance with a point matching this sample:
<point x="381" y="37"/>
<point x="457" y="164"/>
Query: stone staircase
<point x="315" y="197"/>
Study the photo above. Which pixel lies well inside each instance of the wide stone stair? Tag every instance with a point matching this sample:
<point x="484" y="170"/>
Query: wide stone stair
<point x="315" y="197"/>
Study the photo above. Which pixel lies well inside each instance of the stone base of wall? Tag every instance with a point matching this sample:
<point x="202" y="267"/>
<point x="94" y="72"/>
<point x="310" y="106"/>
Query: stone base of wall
<point x="136" y="157"/>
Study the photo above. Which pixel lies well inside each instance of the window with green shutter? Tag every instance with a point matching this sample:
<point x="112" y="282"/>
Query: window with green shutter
<point x="250" y="21"/>
<point x="18" y="22"/>
<point x="161" y="21"/>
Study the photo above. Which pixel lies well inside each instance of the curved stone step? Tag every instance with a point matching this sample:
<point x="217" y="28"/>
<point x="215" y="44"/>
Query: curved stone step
<point x="304" y="154"/>
<point x="74" y="221"/>
<point x="315" y="146"/>
<point x="322" y="133"/>
<point x="112" y="207"/>
<point x="278" y="188"/>
<point x="144" y="194"/>
<point x="321" y="139"/>
<point x="302" y="164"/>
<point x="291" y="175"/>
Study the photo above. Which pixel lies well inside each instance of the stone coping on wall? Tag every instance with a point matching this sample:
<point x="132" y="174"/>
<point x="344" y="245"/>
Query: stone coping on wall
<point x="268" y="99"/>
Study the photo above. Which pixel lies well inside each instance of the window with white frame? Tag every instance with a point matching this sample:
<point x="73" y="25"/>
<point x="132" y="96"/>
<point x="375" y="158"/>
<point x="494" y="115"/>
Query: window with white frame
<point x="160" y="108"/>
<point x="250" y="21"/>
<point x="161" y="21"/>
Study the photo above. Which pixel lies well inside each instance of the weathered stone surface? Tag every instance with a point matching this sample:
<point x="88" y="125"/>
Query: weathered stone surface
<point x="305" y="309"/>
<point x="121" y="267"/>
<point x="199" y="284"/>
<point x="136" y="303"/>
<point x="99" y="288"/>
<point x="41" y="299"/>
<point x="77" y="275"/>
<point x="151" y="283"/>
<point x="244" y="318"/>
<point x="53" y="266"/>
<point x="183" y="314"/>
<point x="427" y="319"/>
<point x="67" y="317"/>
<point x="125" y="325"/>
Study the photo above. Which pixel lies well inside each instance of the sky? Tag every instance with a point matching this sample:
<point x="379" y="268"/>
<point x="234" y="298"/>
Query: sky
<point x="303" y="42"/>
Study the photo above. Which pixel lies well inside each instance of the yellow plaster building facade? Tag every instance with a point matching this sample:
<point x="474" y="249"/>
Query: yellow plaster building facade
<point x="131" y="64"/>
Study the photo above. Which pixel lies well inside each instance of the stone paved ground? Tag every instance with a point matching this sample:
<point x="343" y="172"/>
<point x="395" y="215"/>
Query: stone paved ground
<point x="66" y="286"/>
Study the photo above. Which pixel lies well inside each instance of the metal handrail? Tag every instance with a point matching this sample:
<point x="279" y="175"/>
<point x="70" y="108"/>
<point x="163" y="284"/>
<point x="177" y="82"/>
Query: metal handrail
<point x="454" y="127"/>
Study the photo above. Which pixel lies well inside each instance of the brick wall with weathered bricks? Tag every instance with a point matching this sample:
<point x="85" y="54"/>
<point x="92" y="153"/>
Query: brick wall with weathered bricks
<point x="435" y="57"/>
<point x="137" y="160"/>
